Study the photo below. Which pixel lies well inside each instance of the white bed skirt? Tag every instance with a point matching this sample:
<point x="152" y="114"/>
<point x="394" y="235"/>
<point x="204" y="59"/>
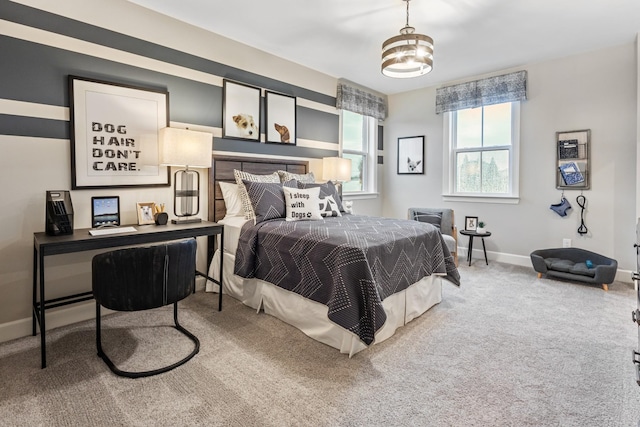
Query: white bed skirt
<point x="311" y="317"/>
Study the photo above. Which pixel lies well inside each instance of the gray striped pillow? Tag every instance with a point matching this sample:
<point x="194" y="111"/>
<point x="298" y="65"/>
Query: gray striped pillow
<point x="244" y="197"/>
<point x="308" y="178"/>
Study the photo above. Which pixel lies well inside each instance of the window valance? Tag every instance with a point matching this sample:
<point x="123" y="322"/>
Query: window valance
<point x="492" y="90"/>
<point x="360" y="101"/>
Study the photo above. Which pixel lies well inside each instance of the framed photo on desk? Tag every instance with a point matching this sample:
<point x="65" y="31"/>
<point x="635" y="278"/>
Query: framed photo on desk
<point x="145" y="213"/>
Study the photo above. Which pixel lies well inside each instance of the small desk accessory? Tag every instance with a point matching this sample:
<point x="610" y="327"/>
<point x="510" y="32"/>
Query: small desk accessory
<point x="59" y="213"/>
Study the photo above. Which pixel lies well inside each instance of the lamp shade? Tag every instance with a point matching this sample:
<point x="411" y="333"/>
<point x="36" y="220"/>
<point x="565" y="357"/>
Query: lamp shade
<point x="336" y="169"/>
<point x="184" y="147"/>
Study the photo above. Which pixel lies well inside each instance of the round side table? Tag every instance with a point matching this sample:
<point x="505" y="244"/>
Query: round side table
<point x="471" y="235"/>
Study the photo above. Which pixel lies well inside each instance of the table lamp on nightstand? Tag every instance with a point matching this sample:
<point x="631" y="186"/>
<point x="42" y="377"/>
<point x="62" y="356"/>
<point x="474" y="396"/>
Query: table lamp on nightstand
<point x="187" y="148"/>
<point x="336" y="169"/>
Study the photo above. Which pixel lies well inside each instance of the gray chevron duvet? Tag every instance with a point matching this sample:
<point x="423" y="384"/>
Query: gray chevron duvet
<point x="349" y="263"/>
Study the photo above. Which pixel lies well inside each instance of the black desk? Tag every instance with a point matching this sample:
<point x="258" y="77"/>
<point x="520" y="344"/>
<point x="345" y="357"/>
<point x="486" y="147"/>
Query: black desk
<point x="45" y="245"/>
<point x="471" y="235"/>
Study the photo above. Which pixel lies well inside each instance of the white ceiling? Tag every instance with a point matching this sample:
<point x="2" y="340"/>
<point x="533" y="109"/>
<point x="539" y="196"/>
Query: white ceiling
<point x="343" y="38"/>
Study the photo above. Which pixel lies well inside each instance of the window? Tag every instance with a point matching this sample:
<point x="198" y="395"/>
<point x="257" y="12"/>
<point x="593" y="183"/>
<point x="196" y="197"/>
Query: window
<point x="483" y="154"/>
<point x="358" y="144"/>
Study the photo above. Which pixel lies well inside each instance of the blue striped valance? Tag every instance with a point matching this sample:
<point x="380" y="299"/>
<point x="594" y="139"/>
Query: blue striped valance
<point x="360" y="101"/>
<point x="493" y="90"/>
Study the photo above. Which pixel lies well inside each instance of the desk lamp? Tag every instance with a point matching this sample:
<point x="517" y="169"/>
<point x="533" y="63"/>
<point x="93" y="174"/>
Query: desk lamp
<point x="187" y="148"/>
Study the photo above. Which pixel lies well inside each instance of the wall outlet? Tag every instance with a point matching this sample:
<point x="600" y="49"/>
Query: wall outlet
<point x="566" y="243"/>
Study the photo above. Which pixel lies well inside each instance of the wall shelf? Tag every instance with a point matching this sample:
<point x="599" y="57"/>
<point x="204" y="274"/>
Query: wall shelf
<point x="573" y="168"/>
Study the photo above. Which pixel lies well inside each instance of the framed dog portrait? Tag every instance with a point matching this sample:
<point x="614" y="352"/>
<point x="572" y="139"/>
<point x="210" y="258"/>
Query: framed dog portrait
<point x="411" y="155"/>
<point x="280" y="118"/>
<point x="115" y="134"/>
<point x="145" y="213"/>
<point x="470" y="223"/>
<point x="240" y="111"/>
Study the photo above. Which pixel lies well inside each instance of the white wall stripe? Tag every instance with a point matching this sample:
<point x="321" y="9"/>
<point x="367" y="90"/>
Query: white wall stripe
<point x="253" y="155"/>
<point x="12" y="138"/>
<point x="31" y="109"/>
<point x="216" y="131"/>
<point x="317" y="106"/>
<point x="310" y="143"/>
<point x="47" y="38"/>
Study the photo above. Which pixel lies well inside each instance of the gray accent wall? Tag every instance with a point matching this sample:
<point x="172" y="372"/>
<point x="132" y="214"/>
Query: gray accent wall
<point x="42" y="48"/>
<point x="190" y="102"/>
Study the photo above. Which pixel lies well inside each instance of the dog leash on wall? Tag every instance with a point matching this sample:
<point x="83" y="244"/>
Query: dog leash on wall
<point x="582" y="202"/>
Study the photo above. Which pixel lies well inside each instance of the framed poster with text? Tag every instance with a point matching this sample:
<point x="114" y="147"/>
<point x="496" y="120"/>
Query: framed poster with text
<point x="114" y="134"/>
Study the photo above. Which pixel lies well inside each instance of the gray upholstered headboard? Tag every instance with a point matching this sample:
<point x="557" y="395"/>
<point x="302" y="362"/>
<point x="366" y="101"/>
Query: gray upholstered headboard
<point x="222" y="170"/>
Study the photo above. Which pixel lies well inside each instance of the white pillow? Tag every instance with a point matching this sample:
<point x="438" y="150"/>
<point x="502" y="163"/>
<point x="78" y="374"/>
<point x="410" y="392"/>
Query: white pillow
<point x="329" y="207"/>
<point x="302" y="204"/>
<point x="231" y="196"/>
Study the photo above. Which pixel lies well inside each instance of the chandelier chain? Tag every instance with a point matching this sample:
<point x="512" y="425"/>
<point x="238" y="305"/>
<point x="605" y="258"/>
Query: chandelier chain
<point x="407" y="12"/>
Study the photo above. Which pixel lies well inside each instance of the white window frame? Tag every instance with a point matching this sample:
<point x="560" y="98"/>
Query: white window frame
<point x="370" y="173"/>
<point x="449" y="163"/>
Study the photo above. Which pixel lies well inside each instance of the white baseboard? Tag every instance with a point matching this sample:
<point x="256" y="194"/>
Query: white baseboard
<point x="62" y="317"/>
<point x="55" y="319"/>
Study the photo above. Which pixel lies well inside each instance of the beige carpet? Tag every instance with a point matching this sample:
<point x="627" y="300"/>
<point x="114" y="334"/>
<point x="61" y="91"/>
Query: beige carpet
<point x="505" y="349"/>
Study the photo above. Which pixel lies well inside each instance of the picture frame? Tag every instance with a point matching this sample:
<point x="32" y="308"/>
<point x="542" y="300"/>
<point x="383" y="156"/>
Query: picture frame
<point x="280" y="118"/>
<point x="145" y="213"/>
<point x="240" y="111"/>
<point x="114" y="134"/>
<point x="470" y="223"/>
<point x="411" y="155"/>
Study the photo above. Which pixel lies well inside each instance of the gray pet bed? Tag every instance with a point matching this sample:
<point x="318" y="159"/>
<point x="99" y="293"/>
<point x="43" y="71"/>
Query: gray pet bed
<point x="570" y="264"/>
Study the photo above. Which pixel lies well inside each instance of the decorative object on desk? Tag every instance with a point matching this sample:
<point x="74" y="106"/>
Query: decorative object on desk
<point x="337" y="170"/>
<point x="470" y="223"/>
<point x="145" y="213"/>
<point x="480" y="228"/>
<point x="114" y="134"/>
<point x="240" y="111"/>
<point x="411" y="155"/>
<point x="280" y="118"/>
<point x="58" y="213"/>
<point x="188" y="148"/>
<point x="160" y="216"/>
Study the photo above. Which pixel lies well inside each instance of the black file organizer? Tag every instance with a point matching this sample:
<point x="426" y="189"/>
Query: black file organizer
<point x="59" y="213"/>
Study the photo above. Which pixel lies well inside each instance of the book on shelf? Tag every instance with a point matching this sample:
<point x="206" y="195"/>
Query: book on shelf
<point x="571" y="173"/>
<point x="568" y="149"/>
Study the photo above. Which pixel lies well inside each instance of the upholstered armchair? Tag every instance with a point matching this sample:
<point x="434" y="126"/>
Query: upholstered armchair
<point x="443" y="218"/>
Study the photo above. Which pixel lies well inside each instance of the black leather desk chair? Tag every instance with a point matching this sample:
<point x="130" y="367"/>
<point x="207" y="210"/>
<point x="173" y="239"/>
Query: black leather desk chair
<point x="143" y="278"/>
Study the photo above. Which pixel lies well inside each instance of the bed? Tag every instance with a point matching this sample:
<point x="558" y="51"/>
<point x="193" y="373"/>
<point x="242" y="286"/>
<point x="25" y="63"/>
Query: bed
<point x="348" y="281"/>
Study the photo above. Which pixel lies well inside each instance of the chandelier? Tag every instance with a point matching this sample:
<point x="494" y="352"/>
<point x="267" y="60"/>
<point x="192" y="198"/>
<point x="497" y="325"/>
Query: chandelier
<point x="407" y="55"/>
